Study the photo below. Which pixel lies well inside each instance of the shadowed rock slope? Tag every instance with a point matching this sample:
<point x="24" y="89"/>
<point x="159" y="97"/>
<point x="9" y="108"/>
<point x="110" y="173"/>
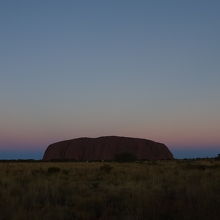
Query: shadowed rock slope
<point x="106" y="148"/>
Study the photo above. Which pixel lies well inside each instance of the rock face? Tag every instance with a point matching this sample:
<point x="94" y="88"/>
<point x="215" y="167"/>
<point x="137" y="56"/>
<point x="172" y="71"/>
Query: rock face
<point x="106" y="148"/>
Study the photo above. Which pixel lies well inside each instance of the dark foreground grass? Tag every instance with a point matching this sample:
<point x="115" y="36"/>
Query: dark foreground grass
<point x="167" y="190"/>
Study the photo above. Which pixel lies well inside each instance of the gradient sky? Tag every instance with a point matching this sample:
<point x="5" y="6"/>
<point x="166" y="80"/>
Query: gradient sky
<point x="139" y="68"/>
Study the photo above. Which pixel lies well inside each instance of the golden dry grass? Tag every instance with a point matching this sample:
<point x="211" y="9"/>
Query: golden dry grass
<point x="99" y="190"/>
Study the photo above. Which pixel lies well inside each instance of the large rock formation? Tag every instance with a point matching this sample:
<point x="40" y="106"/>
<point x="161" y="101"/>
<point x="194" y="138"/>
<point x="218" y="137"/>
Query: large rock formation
<point x="106" y="148"/>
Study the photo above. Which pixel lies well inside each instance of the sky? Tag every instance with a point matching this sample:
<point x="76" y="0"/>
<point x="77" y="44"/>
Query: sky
<point x="90" y="68"/>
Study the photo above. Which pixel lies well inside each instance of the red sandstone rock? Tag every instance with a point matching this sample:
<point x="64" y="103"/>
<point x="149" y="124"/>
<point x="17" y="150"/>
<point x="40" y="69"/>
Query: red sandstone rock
<point x="106" y="148"/>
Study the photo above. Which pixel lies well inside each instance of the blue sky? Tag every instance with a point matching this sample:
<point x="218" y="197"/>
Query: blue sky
<point x="146" y="69"/>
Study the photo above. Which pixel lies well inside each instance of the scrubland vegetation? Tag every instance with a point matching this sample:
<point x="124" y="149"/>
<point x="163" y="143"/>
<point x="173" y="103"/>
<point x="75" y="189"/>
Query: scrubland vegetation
<point x="166" y="190"/>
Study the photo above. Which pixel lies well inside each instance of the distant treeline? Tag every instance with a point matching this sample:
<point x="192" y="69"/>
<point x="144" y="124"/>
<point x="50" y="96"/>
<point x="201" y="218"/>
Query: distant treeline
<point x="119" y="159"/>
<point x="20" y="160"/>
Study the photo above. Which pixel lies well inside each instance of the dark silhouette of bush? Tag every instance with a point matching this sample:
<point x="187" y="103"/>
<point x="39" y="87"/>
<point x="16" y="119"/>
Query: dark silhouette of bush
<point x="106" y="168"/>
<point x="218" y="157"/>
<point x="37" y="172"/>
<point x="125" y="157"/>
<point x="53" y="170"/>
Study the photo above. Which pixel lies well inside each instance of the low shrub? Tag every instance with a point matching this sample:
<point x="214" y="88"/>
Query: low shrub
<point x="106" y="168"/>
<point x="52" y="170"/>
<point x="125" y="157"/>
